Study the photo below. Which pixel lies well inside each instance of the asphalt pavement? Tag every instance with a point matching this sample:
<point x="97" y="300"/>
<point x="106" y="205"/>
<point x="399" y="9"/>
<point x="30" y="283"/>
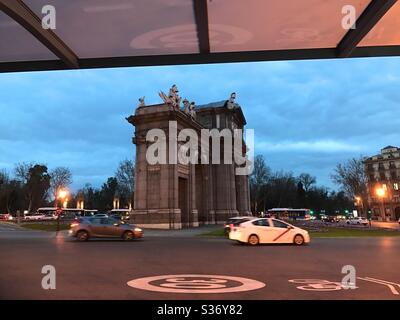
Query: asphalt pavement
<point x="101" y="269"/>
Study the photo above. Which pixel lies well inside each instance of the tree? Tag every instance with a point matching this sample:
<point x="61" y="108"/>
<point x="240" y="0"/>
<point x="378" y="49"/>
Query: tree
<point x="125" y="176"/>
<point x="307" y="181"/>
<point x="350" y="176"/>
<point x="21" y="171"/>
<point x="108" y="192"/>
<point x="60" y="177"/>
<point x="37" y="186"/>
<point x="10" y="193"/>
<point x="258" y="181"/>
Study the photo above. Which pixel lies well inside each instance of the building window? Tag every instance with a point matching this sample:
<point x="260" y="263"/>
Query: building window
<point x="392" y="165"/>
<point x="371" y="177"/>
<point x="382" y="176"/>
<point x="393" y="175"/>
<point x="395" y="186"/>
<point x="381" y="166"/>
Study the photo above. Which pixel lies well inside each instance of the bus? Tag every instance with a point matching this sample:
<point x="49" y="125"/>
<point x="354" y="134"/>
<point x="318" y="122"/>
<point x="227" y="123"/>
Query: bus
<point x="50" y="213"/>
<point x="122" y="214"/>
<point x="290" y="214"/>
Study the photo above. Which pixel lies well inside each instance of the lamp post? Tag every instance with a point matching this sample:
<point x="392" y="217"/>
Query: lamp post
<point x="359" y="205"/>
<point x="62" y="195"/>
<point x="381" y="193"/>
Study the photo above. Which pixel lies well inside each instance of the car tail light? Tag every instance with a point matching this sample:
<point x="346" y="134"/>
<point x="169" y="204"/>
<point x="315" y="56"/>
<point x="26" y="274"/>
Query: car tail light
<point x="231" y="226"/>
<point x="74" y="224"/>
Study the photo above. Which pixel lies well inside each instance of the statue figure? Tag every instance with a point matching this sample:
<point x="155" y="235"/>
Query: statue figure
<point x="231" y="104"/>
<point x="173" y="98"/>
<point x="186" y="106"/>
<point x="141" y="102"/>
<point x="192" y="110"/>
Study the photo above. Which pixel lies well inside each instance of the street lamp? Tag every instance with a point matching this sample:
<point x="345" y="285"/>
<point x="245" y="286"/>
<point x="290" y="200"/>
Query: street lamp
<point x="359" y="204"/>
<point x="381" y="193"/>
<point x="62" y="195"/>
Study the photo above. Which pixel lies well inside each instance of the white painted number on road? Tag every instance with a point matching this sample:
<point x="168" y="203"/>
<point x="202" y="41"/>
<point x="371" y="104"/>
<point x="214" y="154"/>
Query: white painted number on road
<point x="195" y="283"/>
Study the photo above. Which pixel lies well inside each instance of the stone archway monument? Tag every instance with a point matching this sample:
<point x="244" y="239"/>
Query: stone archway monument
<point x="191" y="165"/>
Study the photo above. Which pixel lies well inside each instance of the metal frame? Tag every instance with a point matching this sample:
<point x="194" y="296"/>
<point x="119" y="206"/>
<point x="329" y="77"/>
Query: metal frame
<point x="21" y="13"/>
<point x="184" y="59"/>
<point x="366" y="21"/>
<point x="201" y="17"/>
<point x="347" y="47"/>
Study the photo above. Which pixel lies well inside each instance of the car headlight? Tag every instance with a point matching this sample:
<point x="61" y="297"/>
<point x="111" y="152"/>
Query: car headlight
<point x="137" y="230"/>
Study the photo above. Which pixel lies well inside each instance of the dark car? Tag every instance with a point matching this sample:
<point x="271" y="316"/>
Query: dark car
<point x="103" y="227"/>
<point x="235" y="221"/>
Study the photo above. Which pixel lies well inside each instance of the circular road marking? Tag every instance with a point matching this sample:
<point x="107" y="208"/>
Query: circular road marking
<point x="195" y="283"/>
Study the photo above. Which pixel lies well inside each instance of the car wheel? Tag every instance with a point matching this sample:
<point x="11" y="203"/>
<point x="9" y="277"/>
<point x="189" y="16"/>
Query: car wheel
<point x="253" y="240"/>
<point x="128" y="235"/>
<point x="82" y="235"/>
<point x="298" y="239"/>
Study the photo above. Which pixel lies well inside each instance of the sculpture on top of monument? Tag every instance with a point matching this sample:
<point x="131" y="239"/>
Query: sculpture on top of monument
<point x="231" y="104"/>
<point x="186" y="106"/>
<point x="173" y="97"/>
<point x="141" y="102"/>
<point x="192" y="110"/>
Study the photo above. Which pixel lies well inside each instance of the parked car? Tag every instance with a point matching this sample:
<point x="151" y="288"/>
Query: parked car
<point x="6" y="217"/>
<point x="235" y="221"/>
<point x="103" y="227"/>
<point x="358" y="221"/>
<point x="121" y="214"/>
<point x="101" y="215"/>
<point x="34" y="216"/>
<point x="267" y="230"/>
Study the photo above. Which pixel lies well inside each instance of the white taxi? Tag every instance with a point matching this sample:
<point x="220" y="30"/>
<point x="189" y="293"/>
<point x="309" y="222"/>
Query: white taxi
<point x="268" y="230"/>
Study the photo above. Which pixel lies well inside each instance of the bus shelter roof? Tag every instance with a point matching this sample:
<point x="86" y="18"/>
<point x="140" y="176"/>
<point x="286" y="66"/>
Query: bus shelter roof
<point x="122" y="33"/>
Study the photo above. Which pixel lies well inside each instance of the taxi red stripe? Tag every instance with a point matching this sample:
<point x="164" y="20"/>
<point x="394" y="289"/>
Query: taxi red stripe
<point x="283" y="233"/>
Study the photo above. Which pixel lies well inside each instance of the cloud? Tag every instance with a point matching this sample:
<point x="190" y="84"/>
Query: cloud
<point x="307" y="115"/>
<point x="326" y="146"/>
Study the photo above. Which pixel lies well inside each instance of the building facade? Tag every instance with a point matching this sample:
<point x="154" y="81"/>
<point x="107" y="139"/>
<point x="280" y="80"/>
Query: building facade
<point x="177" y="195"/>
<point x="383" y="183"/>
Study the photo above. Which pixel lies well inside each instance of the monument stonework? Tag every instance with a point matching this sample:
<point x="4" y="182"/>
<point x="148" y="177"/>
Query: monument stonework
<point x="176" y="195"/>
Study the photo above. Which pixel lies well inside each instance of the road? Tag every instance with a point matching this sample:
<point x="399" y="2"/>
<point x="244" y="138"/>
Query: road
<point x="100" y="269"/>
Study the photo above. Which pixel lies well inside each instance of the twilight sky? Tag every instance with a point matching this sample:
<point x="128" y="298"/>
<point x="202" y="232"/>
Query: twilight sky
<point x="307" y="115"/>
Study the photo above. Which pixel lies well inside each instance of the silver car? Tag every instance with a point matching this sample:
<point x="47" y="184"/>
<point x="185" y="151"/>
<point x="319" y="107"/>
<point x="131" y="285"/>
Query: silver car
<point x="103" y="227"/>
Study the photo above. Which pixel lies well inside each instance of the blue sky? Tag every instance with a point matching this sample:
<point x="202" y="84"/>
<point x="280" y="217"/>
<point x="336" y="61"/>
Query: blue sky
<point x="307" y="115"/>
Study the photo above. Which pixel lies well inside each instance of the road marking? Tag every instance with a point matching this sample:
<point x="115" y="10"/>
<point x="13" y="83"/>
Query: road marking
<point x="389" y="284"/>
<point x="195" y="283"/>
<point x="317" y="285"/>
